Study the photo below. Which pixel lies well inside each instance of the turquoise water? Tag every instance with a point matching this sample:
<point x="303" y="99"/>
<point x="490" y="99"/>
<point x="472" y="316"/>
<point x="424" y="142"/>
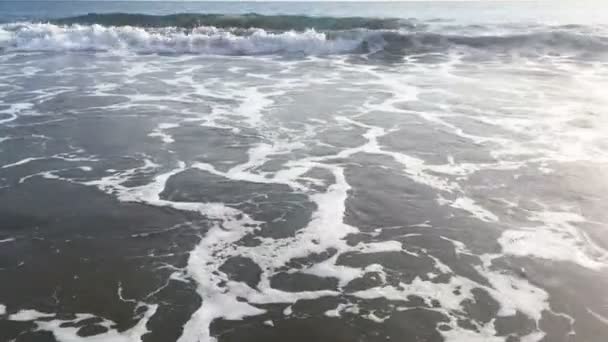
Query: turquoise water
<point x="564" y="12"/>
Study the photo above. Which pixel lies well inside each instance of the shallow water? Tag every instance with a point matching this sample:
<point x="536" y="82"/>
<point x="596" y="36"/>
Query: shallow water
<point x="435" y="176"/>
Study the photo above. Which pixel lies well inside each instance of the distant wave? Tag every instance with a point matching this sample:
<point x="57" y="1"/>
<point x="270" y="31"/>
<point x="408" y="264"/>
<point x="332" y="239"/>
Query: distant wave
<point x="259" y="41"/>
<point x="246" y="21"/>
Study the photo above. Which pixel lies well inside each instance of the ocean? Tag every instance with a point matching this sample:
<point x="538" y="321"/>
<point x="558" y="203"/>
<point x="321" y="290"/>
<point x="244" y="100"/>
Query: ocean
<point x="303" y="171"/>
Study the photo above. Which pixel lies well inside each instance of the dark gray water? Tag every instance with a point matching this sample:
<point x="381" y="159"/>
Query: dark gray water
<point x="312" y="172"/>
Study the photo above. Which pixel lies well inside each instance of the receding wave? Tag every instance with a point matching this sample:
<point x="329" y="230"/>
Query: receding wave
<point x="259" y="41"/>
<point x="541" y="43"/>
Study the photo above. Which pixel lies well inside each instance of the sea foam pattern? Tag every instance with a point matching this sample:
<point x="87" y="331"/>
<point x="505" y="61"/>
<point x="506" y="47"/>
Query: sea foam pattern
<point x="365" y="179"/>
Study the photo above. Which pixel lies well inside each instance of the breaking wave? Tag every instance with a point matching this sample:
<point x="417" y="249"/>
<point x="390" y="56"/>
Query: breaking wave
<point x="258" y="35"/>
<point x="201" y="40"/>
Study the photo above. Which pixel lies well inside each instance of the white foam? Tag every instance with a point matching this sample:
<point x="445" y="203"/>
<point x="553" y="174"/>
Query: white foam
<point x="414" y="168"/>
<point x="2" y="309"/>
<point x="21" y="162"/>
<point x="598" y="316"/>
<point x="373" y="317"/>
<point x="150" y="193"/>
<point x="515" y="294"/>
<point x="29" y="315"/>
<point x="202" y="40"/>
<point x="7" y="240"/>
<point x="14" y="109"/>
<point x="65" y="157"/>
<point x="335" y="312"/>
<point x="487" y="333"/>
<point x="469" y="205"/>
<point x="64" y="333"/>
<point x="427" y="290"/>
<point x="44" y="174"/>
<point x="159" y="132"/>
<point x="70" y="334"/>
<point x="512" y="293"/>
<point x="329" y="269"/>
<point x="379" y="247"/>
<point x="556" y="239"/>
<point x="439" y="265"/>
<point x="325" y="230"/>
<point x="252" y="106"/>
<point x="459" y="247"/>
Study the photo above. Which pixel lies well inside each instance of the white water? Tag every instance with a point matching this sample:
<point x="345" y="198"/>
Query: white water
<point x="534" y="123"/>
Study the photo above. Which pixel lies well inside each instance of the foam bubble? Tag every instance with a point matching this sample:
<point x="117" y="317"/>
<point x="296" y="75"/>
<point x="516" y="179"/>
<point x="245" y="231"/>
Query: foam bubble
<point x="329" y="269"/>
<point x="336" y="312"/>
<point x="379" y="247"/>
<point x="469" y="205"/>
<point x="68" y="333"/>
<point x="13" y="110"/>
<point x="556" y="239"/>
<point x="159" y="132"/>
<point x="487" y="333"/>
<point x="29" y="315"/>
<point x="288" y="311"/>
<point x="62" y="156"/>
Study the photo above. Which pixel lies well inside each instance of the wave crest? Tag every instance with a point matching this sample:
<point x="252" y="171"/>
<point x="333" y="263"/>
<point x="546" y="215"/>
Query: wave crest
<point x="201" y="40"/>
<point x="257" y="41"/>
